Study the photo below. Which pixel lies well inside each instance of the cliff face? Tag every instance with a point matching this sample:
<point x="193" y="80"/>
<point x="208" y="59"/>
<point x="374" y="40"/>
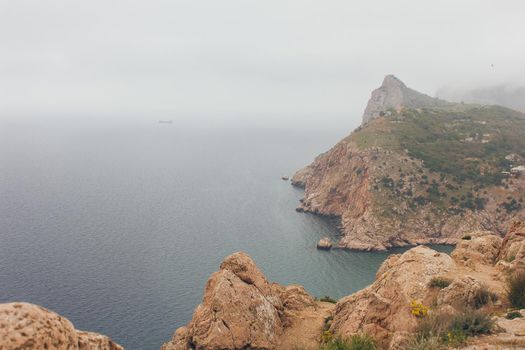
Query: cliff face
<point x="28" y="326"/>
<point x="418" y="176"/>
<point x="241" y="310"/>
<point x="394" y="94"/>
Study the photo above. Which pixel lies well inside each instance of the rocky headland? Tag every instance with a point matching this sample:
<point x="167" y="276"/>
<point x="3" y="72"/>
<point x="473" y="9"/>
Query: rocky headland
<point x="241" y="309"/>
<point x="419" y="170"/>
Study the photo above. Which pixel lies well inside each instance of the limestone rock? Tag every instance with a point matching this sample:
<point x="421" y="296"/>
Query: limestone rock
<point x="294" y="299"/>
<point x="461" y="292"/>
<point x="241" y="309"/>
<point x="324" y="243"/>
<point x="512" y="253"/>
<point x="29" y="326"/>
<point x="393" y="93"/>
<point x="481" y="247"/>
<point x="383" y="308"/>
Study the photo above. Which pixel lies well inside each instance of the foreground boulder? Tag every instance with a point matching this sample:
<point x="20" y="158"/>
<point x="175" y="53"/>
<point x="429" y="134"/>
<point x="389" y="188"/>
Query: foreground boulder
<point x="242" y="310"/>
<point x="29" y="326"/>
<point x="383" y="308"/>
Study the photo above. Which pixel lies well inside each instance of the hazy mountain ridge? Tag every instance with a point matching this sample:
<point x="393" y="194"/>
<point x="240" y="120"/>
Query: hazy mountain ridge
<point x="414" y="175"/>
<point x="503" y="95"/>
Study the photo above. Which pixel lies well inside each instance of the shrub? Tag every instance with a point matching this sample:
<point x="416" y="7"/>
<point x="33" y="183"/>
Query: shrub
<point x="362" y="342"/>
<point x="483" y="296"/>
<point x="355" y="342"/>
<point x="455" y="338"/>
<point x="436" y="324"/>
<point x="328" y="299"/>
<point x="516" y="290"/>
<point x="425" y="343"/>
<point x="418" y="309"/>
<point x="451" y="331"/>
<point x="513" y="314"/>
<point x="327" y="336"/>
<point x="472" y="323"/>
<point x="439" y="282"/>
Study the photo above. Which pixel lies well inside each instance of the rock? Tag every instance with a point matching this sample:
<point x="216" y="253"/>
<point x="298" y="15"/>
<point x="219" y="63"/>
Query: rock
<point x="394" y="94"/>
<point x="461" y="292"/>
<point x="482" y="247"/>
<point x="295" y="300"/>
<point x="511" y="335"/>
<point x="241" y="310"/>
<point x="324" y="244"/>
<point x="512" y="254"/>
<point x="29" y="326"/>
<point x="383" y="308"/>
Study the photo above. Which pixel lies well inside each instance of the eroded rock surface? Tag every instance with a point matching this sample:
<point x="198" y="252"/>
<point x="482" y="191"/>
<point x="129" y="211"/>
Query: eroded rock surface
<point x="383" y="308"/>
<point x="29" y="326"/>
<point x="241" y="310"/>
<point x="393" y="93"/>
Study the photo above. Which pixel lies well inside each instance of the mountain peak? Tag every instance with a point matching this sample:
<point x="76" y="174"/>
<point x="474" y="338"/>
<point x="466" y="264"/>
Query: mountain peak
<point x="393" y="93"/>
<point x="391" y="81"/>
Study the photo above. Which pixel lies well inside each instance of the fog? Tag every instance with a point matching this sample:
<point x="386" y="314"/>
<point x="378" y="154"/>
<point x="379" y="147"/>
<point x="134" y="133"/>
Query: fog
<point x="240" y="62"/>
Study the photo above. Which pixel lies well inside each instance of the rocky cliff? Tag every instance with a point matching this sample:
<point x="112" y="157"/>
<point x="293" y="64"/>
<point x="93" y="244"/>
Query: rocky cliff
<point x="394" y="94"/>
<point x="28" y="326"/>
<point x="419" y="175"/>
<point x="242" y="310"/>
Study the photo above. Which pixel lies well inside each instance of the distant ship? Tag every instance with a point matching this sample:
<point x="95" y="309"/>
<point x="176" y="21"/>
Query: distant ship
<point x="165" y="121"/>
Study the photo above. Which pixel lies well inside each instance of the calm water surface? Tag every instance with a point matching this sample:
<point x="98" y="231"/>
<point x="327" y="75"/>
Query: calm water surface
<point x="117" y="227"/>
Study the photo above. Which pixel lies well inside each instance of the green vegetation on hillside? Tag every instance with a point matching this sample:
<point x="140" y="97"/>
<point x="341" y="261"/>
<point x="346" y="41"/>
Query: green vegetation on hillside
<point x="462" y="149"/>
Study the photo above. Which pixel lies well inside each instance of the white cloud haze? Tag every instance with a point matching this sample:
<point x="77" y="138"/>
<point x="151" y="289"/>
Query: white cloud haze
<point x="288" y="61"/>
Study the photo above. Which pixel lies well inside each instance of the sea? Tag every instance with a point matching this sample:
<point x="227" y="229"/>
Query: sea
<point x="118" y="225"/>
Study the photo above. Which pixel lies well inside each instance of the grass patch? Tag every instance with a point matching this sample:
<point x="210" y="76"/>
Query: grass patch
<point x="355" y="342"/>
<point x="425" y="343"/>
<point x="328" y="299"/>
<point x="483" y="296"/>
<point x="513" y="314"/>
<point x="439" y="282"/>
<point x="450" y="330"/>
<point x="472" y="323"/>
<point x="516" y="290"/>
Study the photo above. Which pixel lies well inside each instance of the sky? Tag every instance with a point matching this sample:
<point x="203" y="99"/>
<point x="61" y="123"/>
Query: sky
<point x="271" y="62"/>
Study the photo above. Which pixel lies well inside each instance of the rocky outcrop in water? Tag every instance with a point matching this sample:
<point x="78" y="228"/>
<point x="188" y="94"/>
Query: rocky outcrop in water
<point x="29" y="326"/>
